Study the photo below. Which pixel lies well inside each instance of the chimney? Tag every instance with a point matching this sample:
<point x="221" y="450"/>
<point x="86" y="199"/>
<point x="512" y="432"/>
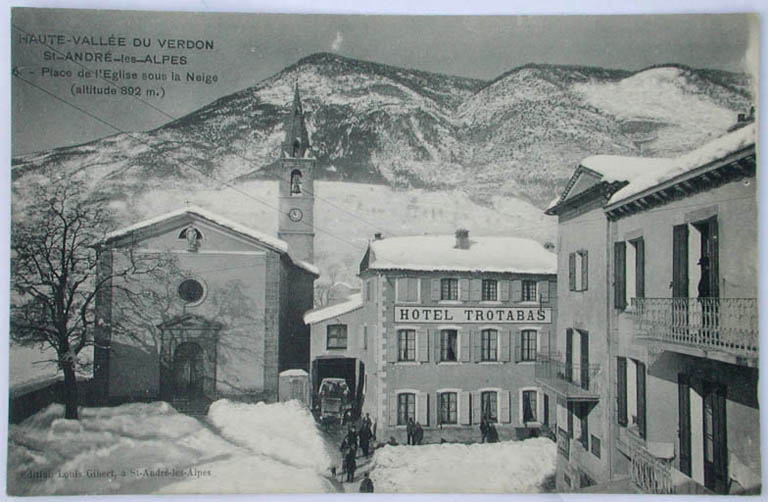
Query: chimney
<point x="378" y="236"/>
<point x="462" y="239"/>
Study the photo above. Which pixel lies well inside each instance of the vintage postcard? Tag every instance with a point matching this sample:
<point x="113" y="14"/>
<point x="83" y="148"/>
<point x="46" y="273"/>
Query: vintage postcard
<point x="280" y="253"/>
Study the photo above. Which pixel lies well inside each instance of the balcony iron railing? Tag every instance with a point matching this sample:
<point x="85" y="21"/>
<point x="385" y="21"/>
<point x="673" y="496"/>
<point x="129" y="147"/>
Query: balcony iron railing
<point x="723" y="324"/>
<point x="650" y="474"/>
<point x="575" y="382"/>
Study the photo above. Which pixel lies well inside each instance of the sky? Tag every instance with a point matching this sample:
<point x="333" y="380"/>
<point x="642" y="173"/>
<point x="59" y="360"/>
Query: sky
<point x="250" y="47"/>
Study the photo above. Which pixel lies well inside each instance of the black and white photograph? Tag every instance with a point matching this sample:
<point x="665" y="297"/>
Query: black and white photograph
<point x="268" y="253"/>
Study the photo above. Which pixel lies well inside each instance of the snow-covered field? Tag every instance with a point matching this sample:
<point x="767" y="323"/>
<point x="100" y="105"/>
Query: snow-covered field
<point x="150" y="448"/>
<point x="506" y="467"/>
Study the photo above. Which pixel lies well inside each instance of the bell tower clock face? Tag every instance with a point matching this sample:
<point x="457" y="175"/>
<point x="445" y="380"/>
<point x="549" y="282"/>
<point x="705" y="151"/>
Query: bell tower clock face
<point x="295" y="214"/>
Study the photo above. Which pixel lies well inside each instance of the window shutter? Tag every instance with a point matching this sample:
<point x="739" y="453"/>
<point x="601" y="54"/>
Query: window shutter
<point x="423" y="340"/>
<point x="504" y="407"/>
<point x="392" y="347"/>
<point x="476" y="346"/>
<point x="475" y="290"/>
<point x="621" y="391"/>
<point x="401" y="285"/>
<point x="543" y="347"/>
<point x="572" y="271"/>
<point x="680" y="261"/>
<point x="516" y="344"/>
<point x="475" y="407"/>
<point x="517" y="290"/>
<point x="503" y="290"/>
<point x="641" y="399"/>
<point x="504" y="336"/>
<point x="619" y="279"/>
<point x="413" y="289"/>
<point x="464" y="409"/>
<point x="570" y="419"/>
<point x="640" y="268"/>
<point x="433" y="413"/>
<point x="569" y="354"/>
<point x="435" y="290"/>
<point x="436" y="346"/>
<point x="684" y="423"/>
<point x="463" y="289"/>
<point x="544" y="291"/>
<point x="422" y="402"/>
<point x="464" y="340"/>
<point x="585" y="271"/>
<point x="393" y="409"/>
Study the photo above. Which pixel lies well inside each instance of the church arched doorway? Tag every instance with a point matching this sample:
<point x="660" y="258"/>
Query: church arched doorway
<point x="188" y="372"/>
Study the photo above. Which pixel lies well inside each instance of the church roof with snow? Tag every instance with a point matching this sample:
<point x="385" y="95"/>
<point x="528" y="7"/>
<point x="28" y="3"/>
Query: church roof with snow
<point x="439" y="253"/>
<point x="266" y="240"/>
<point x="352" y="303"/>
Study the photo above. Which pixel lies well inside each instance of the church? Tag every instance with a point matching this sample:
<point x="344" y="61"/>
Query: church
<point x="212" y="309"/>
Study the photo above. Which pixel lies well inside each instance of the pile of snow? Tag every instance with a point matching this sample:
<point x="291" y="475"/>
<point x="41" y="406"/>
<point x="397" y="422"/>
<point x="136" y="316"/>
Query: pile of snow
<point x="151" y="448"/>
<point x="506" y="467"/>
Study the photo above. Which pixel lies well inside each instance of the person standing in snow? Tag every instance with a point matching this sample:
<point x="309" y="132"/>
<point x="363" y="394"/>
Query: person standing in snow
<point x="366" y="486"/>
<point x="365" y="437"/>
<point x="418" y="433"/>
<point x="484" y="428"/>
<point x="410" y="429"/>
<point x="351" y="439"/>
<point x="492" y="436"/>
<point x="350" y="464"/>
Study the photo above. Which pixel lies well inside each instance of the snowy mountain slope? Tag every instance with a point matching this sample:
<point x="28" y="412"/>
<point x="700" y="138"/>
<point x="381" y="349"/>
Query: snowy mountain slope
<point x="518" y="135"/>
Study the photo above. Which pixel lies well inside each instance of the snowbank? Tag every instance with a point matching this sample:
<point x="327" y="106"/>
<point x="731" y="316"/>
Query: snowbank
<point x="506" y="467"/>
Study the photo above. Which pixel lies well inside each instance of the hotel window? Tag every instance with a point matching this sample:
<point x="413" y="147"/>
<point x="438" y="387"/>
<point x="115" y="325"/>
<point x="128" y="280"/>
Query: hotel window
<point x="578" y="271"/>
<point x="406" y="344"/>
<point x="336" y="336"/>
<point x="529" y="406"/>
<point x="407" y="289"/>
<point x="489" y="339"/>
<point x="528" y="345"/>
<point x="448" y="402"/>
<point x="488" y="403"/>
<point x="529" y="291"/>
<point x="448" y="345"/>
<point x="449" y="289"/>
<point x="629" y="272"/>
<point x="406" y="407"/>
<point x="490" y="290"/>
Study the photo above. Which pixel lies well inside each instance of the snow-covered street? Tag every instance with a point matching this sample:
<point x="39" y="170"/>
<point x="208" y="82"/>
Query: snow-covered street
<point x="244" y="448"/>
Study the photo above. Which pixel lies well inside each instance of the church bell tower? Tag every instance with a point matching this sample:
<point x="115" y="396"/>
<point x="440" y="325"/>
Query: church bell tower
<point x="296" y="189"/>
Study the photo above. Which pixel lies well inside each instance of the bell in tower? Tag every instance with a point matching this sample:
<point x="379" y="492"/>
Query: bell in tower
<point x="296" y="187"/>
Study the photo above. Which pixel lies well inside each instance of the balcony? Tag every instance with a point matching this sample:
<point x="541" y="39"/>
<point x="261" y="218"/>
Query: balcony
<point x="574" y="382"/>
<point x="656" y="475"/>
<point x="718" y="328"/>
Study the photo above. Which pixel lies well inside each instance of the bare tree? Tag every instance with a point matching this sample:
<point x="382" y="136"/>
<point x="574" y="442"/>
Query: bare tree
<point x="54" y="259"/>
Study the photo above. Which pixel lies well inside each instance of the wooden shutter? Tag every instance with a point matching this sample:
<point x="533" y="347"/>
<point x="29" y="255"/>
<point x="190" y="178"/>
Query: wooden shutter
<point x="393" y="409"/>
<point x="584" y="420"/>
<point x="476" y="346"/>
<point x="413" y="289"/>
<point x="545" y="414"/>
<point x="543" y="347"/>
<point x="464" y="408"/>
<point x="463" y="289"/>
<point x="392" y="341"/>
<point x="503" y="290"/>
<point x="712" y="247"/>
<point x="684" y="423"/>
<point x="621" y="390"/>
<point x="584" y="359"/>
<point x="476" y="413"/>
<point x="517" y="290"/>
<point x="465" y="339"/>
<point x="619" y="275"/>
<point x="544" y="291"/>
<point x="423" y="341"/>
<point x="436" y="346"/>
<point x="680" y="261"/>
<point x="720" y="441"/>
<point x="475" y="290"/>
<point x="434" y="417"/>
<point x="640" y="268"/>
<point x="401" y="285"/>
<point x="572" y="271"/>
<point x="516" y="345"/>
<point x="422" y="402"/>
<point x="569" y="354"/>
<point x="435" y="290"/>
<point x="570" y="419"/>
<point x="504" y="343"/>
<point x="504" y="407"/>
<point x="641" y="398"/>
<point x="584" y="270"/>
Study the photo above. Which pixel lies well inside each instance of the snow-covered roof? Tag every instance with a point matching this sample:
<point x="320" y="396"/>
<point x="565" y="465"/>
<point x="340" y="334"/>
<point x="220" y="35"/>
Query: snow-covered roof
<point x="485" y="254"/>
<point x="353" y="302"/>
<point x="294" y="372"/>
<point x="276" y="244"/>
<point x="706" y="154"/>
<point x="622" y="168"/>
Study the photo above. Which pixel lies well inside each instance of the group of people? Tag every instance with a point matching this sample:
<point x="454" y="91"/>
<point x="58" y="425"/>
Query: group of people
<point x="349" y="447"/>
<point x="415" y="432"/>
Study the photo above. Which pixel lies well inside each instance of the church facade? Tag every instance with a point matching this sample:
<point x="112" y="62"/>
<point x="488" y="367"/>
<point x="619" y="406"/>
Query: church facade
<point x="216" y="310"/>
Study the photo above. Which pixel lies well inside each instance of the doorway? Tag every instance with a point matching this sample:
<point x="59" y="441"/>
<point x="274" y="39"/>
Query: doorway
<point x="188" y="372"/>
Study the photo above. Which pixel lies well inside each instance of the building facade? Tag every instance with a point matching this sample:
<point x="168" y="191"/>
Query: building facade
<point x="672" y="259"/>
<point x="457" y="326"/>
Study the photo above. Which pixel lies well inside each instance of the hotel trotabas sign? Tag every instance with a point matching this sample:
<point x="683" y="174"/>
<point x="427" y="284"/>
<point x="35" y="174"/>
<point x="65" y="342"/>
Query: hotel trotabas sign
<point x="485" y="315"/>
